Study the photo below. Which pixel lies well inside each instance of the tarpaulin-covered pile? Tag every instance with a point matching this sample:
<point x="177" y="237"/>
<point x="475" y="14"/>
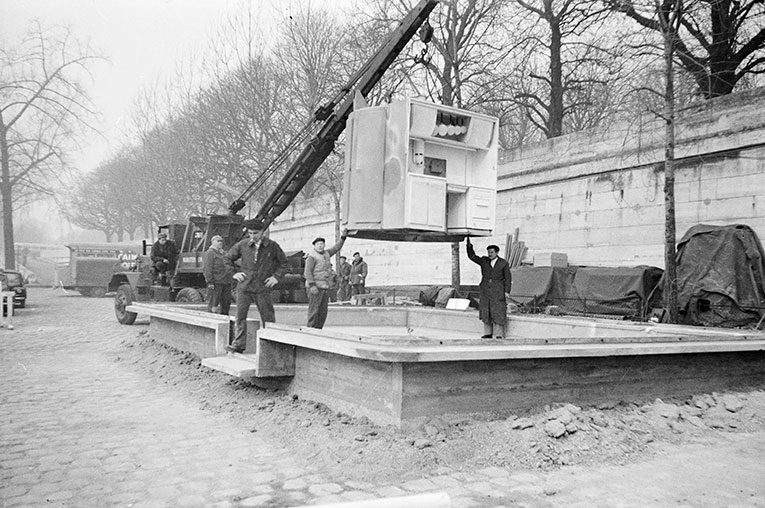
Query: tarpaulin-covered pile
<point x="586" y="290"/>
<point x="720" y="276"/>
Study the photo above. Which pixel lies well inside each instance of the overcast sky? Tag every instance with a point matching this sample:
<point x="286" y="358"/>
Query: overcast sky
<point x="142" y="39"/>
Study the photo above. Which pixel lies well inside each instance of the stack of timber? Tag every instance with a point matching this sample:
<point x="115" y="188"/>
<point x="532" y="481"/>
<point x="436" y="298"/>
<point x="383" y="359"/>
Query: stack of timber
<point x="515" y="250"/>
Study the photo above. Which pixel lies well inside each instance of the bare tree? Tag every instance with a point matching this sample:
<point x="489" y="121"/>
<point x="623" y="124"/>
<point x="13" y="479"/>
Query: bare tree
<point x="562" y="61"/>
<point x="92" y="205"/>
<point x="318" y="58"/>
<point x="669" y="15"/>
<point x="719" y="42"/>
<point x="110" y="199"/>
<point x="43" y="107"/>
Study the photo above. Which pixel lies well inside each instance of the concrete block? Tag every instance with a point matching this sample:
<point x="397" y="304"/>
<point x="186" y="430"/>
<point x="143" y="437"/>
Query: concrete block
<point x="557" y="259"/>
<point x="6" y="309"/>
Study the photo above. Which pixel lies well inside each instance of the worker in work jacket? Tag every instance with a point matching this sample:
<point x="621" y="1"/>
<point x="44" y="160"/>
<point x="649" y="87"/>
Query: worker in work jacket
<point x="358" y="274"/>
<point x="496" y="282"/>
<point x="263" y="264"/>
<point x="218" y="276"/>
<point x="164" y="256"/>
<point x="319" y="279"/>
<point x="344" y="292"/>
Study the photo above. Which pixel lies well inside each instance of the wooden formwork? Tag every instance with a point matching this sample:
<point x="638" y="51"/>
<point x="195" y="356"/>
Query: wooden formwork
<point x="400" y="365"/>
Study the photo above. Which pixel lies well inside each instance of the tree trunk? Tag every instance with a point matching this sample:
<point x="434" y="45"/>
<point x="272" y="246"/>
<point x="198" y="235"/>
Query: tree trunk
<point x="555" y="123"/>
<point x="722" y="61"/>
<point x="336" y="198"/>
<point x="670" y="273"/>
<point x="447" y="98"/>
<point x="6" y="194"/>
<point x="456" y="265"/>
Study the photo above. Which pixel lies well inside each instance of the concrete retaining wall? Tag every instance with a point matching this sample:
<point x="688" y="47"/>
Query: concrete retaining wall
<point x="596" y="196"/>
<point x="599" y="197"/>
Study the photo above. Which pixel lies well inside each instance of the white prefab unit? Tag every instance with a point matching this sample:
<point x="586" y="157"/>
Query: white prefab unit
<point x="415" y="170"/>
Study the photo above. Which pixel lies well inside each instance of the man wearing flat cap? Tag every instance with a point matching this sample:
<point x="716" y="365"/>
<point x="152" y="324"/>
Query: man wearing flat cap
<point x="164" y="255"/>
<point x="218" y="276"/>
<point x="319" y="279"/>
<point x="263" y="264"/>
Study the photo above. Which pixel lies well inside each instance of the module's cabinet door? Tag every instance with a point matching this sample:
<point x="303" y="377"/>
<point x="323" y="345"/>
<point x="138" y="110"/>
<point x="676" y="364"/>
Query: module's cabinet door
<point x="426" y="202"/>
<point x="363" y="178"/>
<point x="480" y="208"/>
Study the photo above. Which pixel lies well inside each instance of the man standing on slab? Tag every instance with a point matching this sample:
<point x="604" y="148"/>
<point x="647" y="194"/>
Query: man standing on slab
<point x="359" y="272"/>
<point x="344" y="292"/>
<point x="262" y="265"/>
<point x="218" y="276"/>
<point x="494" y="290"/>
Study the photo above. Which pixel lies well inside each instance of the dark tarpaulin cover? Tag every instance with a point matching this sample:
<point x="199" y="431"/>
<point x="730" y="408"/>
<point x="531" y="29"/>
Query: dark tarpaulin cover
<point x="586" y="290"/>
<point x="720" y="276"/>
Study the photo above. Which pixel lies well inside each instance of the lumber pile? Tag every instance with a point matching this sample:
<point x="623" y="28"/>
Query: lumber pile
<point x="514" y="250"/>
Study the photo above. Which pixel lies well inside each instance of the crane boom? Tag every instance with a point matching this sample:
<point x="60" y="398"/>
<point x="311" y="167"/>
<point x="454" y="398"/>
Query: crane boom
<point x="331" y="119"/>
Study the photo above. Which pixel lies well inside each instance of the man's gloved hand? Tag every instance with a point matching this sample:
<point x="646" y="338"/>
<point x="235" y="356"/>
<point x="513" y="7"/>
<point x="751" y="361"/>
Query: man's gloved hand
<point x="240" y="276"/>
<point x="271" y="282"/>
<point x="313" y="290"/>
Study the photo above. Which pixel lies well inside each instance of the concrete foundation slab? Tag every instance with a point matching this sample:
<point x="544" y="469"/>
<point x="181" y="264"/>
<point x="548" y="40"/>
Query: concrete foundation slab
<point x="401" y="365"/>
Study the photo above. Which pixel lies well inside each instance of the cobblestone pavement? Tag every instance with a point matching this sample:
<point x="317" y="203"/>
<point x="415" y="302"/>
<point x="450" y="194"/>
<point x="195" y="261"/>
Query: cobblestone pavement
<point x="79" y="429"/>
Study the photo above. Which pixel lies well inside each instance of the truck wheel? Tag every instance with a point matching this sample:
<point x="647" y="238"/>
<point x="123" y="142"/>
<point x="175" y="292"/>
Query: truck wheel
<point x="189" y="295"/>
<point x="122" y="299"/>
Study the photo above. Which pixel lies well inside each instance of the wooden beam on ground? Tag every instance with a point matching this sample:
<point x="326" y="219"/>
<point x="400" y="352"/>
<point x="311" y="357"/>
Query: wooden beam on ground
<point x="244" y="366"/>
<point x="436" y="500"/>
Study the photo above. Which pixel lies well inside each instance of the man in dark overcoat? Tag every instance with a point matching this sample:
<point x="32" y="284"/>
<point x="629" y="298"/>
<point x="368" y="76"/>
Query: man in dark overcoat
<point x="494" y="290"/>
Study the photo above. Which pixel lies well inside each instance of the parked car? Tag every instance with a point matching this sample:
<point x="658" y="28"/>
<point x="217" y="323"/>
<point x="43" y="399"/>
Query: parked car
<point x="13" y="281"/>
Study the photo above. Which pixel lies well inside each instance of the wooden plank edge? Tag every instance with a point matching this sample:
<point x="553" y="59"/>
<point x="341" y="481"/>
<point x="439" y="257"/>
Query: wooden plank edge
<point x="387" y="353"/>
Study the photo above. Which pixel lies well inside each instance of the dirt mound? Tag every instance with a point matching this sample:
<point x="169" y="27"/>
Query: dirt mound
<point x="612" y="433"/>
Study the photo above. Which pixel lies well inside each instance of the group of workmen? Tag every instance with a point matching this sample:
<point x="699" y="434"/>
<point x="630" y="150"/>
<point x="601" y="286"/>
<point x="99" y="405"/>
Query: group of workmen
<point x="258" y="263"/>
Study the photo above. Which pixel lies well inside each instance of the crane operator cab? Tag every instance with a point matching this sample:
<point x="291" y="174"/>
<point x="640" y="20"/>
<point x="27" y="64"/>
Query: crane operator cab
<point x="419" y="171"/>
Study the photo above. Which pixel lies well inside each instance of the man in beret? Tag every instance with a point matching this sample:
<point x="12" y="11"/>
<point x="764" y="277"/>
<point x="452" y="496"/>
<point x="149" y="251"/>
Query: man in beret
<point x="164" y="255"/>
<point x="319" y="279"/>
<point x="263" y="264"/>
<point x="496" y="281"/>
